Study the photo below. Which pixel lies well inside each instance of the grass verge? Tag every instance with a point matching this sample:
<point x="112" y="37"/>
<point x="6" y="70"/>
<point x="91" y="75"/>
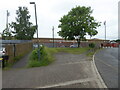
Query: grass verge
<point x="92" y="51"/>
<point x="73" y="50"/>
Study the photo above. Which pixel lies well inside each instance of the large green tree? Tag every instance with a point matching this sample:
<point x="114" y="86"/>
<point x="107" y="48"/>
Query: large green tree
<point x="23" y="28"/>
<point x="6" y="34"/>
<point x="78" y="23"/>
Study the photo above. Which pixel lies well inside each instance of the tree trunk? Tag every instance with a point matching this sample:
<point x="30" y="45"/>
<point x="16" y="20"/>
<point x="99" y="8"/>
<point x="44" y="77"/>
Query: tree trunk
<point x="78" y="41"/>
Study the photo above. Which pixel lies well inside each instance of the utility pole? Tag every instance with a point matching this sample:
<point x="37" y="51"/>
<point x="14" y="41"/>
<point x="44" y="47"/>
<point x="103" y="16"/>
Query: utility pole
<point x="53" y="35"/>
<point x="7" y="21"/>
<point x="105" y="30"/>
<point x="119" y="20"/>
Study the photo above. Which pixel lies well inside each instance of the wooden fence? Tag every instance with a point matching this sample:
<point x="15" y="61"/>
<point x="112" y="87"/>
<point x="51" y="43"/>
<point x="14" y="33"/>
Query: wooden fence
<point x="15" y="51"/>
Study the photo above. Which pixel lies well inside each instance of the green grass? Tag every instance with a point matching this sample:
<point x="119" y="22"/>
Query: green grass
<point x="92" y="51"/>
<point x="73" y="50"/>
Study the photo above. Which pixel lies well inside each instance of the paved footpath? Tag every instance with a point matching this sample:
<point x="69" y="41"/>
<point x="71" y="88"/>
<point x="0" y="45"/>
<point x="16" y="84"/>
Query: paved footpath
<point x="22" y="63"/>
<point x="68" y="70"/>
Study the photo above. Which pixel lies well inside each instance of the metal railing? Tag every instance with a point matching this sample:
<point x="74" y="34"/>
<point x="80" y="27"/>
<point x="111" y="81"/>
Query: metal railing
<point x="14" y="41"/>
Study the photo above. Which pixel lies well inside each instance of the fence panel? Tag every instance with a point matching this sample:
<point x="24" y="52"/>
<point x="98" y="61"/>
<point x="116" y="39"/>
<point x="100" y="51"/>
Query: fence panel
<point x="18" y="50"/>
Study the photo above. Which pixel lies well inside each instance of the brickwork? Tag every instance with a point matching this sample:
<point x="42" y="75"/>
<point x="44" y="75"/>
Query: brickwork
<point x="59" y="42"/>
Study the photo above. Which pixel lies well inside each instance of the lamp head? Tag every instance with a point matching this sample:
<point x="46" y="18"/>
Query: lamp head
<point x="32" y="2"/>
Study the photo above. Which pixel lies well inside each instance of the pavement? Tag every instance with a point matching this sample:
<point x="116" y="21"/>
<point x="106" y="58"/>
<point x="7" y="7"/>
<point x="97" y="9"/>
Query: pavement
<point x="107" y="64"/>
<point x="68" y="71"/>
<point x="23" y="62"/>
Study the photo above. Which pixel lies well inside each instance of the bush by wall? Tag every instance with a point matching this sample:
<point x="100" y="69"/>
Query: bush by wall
<point x="92" y="45"/>
<point x="46" y="57"/>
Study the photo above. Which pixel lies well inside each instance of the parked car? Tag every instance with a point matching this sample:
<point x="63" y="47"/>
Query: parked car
<point x="114" y="44"/>
<point x="73" y="46"/>
<point x="108" y="45"/>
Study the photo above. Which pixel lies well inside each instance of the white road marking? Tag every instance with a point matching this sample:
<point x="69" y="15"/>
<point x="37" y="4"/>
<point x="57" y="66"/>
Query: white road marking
<point x="68" y="83"/>
<point x="97" y="78"/>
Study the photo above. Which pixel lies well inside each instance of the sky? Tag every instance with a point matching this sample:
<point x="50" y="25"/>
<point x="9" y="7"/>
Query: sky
<point x="49" y="12"/>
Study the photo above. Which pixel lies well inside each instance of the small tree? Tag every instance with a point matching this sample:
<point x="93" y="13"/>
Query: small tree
<point x="78" y="23"/>
<point x="6" y="34"/>
<point x="23" y="28"/>
<point x="118" y="40"/>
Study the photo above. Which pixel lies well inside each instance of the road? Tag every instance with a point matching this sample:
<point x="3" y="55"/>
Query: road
<point x="106" y="61"/>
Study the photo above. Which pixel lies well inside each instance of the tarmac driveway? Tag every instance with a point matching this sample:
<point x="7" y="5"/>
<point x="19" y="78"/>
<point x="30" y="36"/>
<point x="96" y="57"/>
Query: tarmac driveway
<point x="68" y="70"/>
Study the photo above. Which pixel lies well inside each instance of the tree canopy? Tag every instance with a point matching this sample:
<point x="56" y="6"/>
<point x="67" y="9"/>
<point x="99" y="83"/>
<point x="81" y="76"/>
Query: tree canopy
<point x="6" y="34"/>
<point x="118" y="40"/>
<point x="78" y="23"/>
<point x="23" y="28"/>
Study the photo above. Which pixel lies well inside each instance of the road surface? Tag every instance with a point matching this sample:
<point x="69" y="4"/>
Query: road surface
<point x="68" y="70"/>
<point x="107" y="64"/>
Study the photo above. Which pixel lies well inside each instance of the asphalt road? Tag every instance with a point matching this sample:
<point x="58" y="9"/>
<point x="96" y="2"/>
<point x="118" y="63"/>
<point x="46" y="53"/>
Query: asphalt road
<point x="67" y="71"/>
<point x="106" y="61"/>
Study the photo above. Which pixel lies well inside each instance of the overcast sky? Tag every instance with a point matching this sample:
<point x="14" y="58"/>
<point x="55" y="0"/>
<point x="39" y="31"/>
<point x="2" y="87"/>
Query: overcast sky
<point x="49" y="13"/>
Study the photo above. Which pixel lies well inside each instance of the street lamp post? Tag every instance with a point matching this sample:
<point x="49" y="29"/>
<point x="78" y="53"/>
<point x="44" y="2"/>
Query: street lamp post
<point x="36" y="29"/>
<point x="105" y="30"/>
<point x="8" y="14"/>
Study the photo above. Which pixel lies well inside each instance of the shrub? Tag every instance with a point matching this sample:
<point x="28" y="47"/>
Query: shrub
<point x="34" y="55"/>
<point x="45" y="57"/>
<point x="92" y="45"/>
<point x="34" y="63"/>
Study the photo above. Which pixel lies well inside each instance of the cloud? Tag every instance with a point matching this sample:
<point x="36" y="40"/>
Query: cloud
<point x="49" y="13"/>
